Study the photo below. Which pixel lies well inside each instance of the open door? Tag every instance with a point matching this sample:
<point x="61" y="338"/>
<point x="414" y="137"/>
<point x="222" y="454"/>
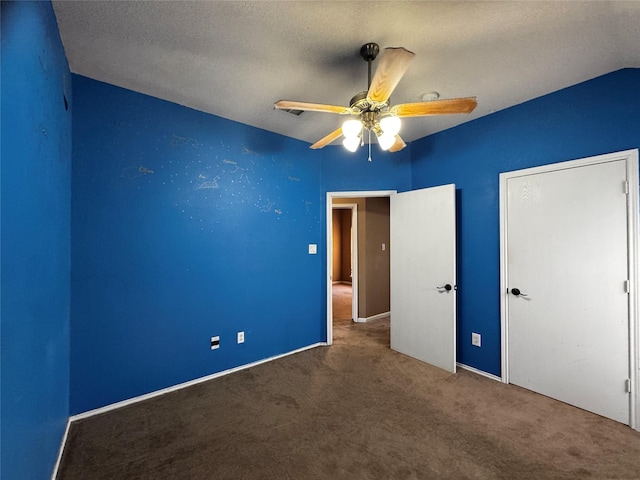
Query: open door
<point x="423" y="275"/>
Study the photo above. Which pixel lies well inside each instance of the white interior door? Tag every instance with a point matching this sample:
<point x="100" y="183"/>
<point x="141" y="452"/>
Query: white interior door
<point x="423" y="275"/>
<point x="567" y="257"/>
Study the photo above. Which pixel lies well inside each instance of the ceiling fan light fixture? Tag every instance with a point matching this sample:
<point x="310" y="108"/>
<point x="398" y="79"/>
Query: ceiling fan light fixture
<point x="351" y="128"/>
<point x="351" y="143"/>
<point x="386" y="141"/>
<point x="390" y="125"/>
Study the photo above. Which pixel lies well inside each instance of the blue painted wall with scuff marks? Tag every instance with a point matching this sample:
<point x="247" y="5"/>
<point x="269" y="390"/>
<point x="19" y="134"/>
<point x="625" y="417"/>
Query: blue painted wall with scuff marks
<point x="187" y="226"/>
<point x="592" y="118"/>
<point x="35" y="169"/>
<point x="208" y="216"/>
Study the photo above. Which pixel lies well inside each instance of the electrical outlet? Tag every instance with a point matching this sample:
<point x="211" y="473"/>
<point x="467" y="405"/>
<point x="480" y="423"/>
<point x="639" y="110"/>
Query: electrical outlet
<point x="215" y="343"/>
<point x="476" y="339"/>
<point x="240" y="337"/>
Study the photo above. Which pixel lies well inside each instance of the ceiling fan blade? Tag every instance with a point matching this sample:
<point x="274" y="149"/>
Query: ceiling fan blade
<point x="393" y="64"/>
<point x="435" y="107"/>
<point x="310" y="107"/>
<point x="323" y="142"/>
<point x="398" y="144"/>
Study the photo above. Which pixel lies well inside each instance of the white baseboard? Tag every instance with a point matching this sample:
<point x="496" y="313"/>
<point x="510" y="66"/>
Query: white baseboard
<point x="373" y="317"/>
<point x="63" y="442"/>
<point x="479" y="372"/>
<point x="180" y="386"/>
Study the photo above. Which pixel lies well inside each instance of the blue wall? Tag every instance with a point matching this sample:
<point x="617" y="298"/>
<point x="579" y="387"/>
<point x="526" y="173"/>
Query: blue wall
<point x="595" y="117"/>
<point x="345" y="171"/>
<point x="186" y="226"/>
<point x="35" y="199"/>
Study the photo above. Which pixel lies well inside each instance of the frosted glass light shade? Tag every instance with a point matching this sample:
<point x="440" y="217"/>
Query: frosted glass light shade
<point x="351" y="143"/>
<point x="386" y="141"/>
<point x="390" y="125"/>
<point x="351" y="128"/>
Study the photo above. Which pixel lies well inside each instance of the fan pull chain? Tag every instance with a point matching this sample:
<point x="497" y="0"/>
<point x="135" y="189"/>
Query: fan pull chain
<point x="369" y="144"/>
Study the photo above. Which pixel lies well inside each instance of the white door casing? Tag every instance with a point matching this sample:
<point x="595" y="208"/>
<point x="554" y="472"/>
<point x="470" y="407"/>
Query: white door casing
<point x="569" y="243"/>
<point x="423" y="262"/>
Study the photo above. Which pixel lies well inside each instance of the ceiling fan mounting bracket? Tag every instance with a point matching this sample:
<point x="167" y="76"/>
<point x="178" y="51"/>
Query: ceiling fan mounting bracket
<point x="369" y="51"/>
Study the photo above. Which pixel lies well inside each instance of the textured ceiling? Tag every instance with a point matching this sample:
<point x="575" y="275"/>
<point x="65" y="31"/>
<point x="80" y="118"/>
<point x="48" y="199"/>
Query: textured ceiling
<point x="234" y="59"/>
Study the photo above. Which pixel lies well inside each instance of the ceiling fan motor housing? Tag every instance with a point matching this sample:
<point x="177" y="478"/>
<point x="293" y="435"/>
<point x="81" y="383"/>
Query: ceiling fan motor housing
<point x="359" y="104"/>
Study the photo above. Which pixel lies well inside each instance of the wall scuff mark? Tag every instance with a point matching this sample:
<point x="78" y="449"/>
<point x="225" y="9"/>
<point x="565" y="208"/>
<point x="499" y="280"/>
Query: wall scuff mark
<point x="177" y="141"/>
<point x="134" y="171"/>
<point x="208" y="184"/>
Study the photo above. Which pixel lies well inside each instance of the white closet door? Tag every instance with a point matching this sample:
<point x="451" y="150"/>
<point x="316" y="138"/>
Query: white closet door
<point x="568" y="317"/>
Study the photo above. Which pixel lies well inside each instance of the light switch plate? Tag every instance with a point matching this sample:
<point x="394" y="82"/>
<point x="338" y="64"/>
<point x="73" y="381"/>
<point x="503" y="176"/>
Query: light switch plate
<point x="313" y="249"/>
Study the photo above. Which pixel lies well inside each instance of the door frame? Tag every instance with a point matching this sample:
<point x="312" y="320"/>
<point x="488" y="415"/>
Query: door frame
<point x="354" y="279"/>
<point x="633" y="211"/>
<point x="354" y="256"/>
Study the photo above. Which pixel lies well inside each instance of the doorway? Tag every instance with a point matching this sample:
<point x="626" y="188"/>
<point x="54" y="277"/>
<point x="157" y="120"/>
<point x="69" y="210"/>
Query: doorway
<point x="420" y="256"/>
<point x="569" y="282"/>
<point x="344" y="262"/>
<point x="356" y="196"/>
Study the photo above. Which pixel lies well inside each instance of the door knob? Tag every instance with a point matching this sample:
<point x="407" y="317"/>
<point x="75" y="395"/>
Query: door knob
<point x="517" y="292"/>
<point x="447" y="287"/>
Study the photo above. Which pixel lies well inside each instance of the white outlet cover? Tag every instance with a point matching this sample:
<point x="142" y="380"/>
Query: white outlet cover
<point x="476" y="339"/>
<point x="240" y="337"/>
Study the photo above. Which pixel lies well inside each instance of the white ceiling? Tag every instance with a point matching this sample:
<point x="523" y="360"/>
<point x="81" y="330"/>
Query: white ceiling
<point x="234" y="59"/>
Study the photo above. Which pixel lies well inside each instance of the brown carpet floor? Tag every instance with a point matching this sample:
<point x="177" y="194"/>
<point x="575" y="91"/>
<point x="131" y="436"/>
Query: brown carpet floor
<point x="354" y="410"/>
<point x="342" y="295"/>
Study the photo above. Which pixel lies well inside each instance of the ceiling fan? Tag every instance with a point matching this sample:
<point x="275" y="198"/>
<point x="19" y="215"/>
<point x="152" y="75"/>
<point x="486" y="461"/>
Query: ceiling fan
<point x="371" y="108"/>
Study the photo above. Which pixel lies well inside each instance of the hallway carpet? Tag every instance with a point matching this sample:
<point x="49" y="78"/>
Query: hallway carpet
<point x="354" y="410"/>
<point x="342" y="296"/>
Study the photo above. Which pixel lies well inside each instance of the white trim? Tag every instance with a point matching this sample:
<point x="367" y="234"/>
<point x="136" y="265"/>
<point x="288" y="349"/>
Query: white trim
<point x="633" y="210"/>
<point x="63" y="442"/>
<point x="633" y="177"/>
<point x="373" y="317"/>
<point x="329" y="226"/>
<point x="479" y="372"/>
<point x="180" y="386"/>
<point x="504" y="324"/>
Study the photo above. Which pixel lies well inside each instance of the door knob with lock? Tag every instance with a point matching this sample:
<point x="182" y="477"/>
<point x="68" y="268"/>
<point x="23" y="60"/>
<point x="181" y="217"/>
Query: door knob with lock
<point x="446" y="287"/>
<point x="517" y="292"/>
